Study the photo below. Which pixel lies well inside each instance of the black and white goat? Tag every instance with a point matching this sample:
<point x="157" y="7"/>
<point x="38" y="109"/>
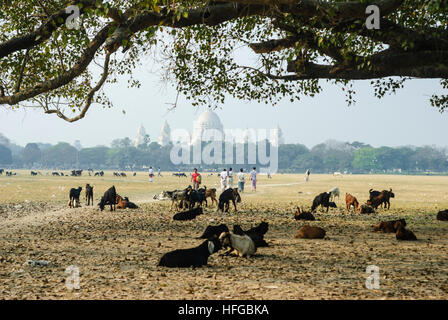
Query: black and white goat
<point x="193" y="257"/>
<point x="256" y="234"/>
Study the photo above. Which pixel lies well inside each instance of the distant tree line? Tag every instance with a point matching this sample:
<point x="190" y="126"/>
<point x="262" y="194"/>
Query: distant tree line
<point x="327" y="157"/>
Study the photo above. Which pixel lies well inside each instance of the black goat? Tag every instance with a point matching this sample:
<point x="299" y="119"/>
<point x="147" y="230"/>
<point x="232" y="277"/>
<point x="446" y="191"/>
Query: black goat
<point x="109" y="198"/>
<point x="194" y="257"/>
<point x="256" y="234"/>
<point x="323" y="200"/>
<point x="214" y="231"/>
<point x="227" y="196"/>
<point x="74" y="197"/>
<point x="89" y="194"/>
<point x="304" y="215"/>
<point x="442" y="215"/>
<point x="131" y="205"/>
<point x="188" y="215"/>
<point x="196" y="196"/>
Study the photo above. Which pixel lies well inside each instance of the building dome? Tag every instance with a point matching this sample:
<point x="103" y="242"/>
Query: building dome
<point x="141" y="135"/>
<point x="208" y="120"/>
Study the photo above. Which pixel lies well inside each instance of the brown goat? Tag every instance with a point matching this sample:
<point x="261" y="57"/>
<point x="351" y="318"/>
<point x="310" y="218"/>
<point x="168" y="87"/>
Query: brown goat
<point x="366" y="208"/>
<point x="121" y="203"/>
<point x="404" y="234"/>
<point x="210" y="193"/>
<point x="308" y="232"/>
<point x="351" y="201"/>
<point x="389" y="226"/>
<point x="383" y="197"/>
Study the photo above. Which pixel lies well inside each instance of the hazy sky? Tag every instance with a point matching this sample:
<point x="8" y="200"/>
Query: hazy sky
<point x="402" y="119"/>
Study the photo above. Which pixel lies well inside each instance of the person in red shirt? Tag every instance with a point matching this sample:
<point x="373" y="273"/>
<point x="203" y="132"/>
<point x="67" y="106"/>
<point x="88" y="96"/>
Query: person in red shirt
<point x="195" y="179"/>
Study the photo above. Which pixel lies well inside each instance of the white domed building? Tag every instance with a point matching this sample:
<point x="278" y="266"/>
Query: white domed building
<point x="278" y="137"/>
<point x="208" y="120"/>
<point x="141" y="135"/>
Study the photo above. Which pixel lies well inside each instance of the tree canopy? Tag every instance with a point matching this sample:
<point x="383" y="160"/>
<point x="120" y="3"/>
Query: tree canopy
<point x="46" y="62"/>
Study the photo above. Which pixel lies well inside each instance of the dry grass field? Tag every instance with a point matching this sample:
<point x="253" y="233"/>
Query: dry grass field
<point x="117" y="252"/>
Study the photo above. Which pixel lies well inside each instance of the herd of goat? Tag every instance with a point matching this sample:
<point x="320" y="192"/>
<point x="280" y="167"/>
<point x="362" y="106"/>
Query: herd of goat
<point x="243" y="243"/>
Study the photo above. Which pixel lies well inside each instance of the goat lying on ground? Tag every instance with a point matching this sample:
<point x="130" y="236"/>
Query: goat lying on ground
<point x="89" y="194"/>
<point x="404" y="234"/>
<point x="227" y="196"/>
<point x="124" y="203"/>
<point x="308" y="232"/>
<point x="442" y="215"/>
<point x="214" y="231"/>
<point x="304" y="215"/>
<point x="351" y="201"/>
<point x="188" y="215"/>
<point x="322" y="199"/>
<point x="194" y="257"/>
<point x="365" y="209"/>
<point x="389" y="226"/>
<point x="108" y="198"/>
<point x="256" y="234"/>
<point x="244" y="245"/>
<point x="74" y="197"/>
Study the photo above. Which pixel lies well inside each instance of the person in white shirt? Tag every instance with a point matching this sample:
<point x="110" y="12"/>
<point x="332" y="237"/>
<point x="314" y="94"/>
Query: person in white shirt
<point x="241" y="180"/>
<point x="223" y="179"/>
<point x="253" y="178"/>
<point x="230" y="179"/>
<point x="151" y="174"/>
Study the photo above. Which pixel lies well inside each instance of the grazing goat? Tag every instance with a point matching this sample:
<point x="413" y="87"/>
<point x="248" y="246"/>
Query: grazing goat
<point x="334" y="193"/>
<point x="33" y="173"/>
<point x="188" y="215"/>
<point x="351" y="201"/>
<point x="210" y="193"/>
<point x="383" y="197"/>
<point x="74" y="197"/>
<point x="322" y="199"/>
<point x="214" y="231"/>
<point x="194" y="257"/>
<point x="89" y="194"/>
<point x="304" y="215"/>
<point x="109" y="198"/>
<point x="442" y="215"/>
<point x="308" y="232"/>
<point x="176" y="196"/>
<point x="389" y="226"/>
<point x="244" y="245"/>
<point x="404" y="234"/>
<point x="256" y="234"/>
<point x="227" y="196"/>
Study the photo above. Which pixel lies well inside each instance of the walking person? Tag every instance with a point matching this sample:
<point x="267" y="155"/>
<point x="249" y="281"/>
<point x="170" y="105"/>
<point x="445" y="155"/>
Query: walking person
<point x="229" y="179"/>
<point x="151" y="174"/>
<point x="196" y="179"/>
<point x="253" y="178"/>
<point x="241" y="180"/>
<point x="307" y="175"/>
<point x="223" y="176"/>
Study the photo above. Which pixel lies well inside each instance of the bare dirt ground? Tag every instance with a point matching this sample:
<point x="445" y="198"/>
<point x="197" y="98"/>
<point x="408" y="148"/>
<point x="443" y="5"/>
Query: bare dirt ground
<point x="117" y="252"/>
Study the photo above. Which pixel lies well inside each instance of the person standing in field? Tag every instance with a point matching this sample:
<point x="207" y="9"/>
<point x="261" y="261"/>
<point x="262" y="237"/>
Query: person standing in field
<point x="229" y="179"/>
<point x="159" y="174"/>
<point x="241" y="180"/>
<point x="307" y="175"/>
<point x="253" y="178"/>
<point x="196" y="179"/>
<point x="151" y="174"/>
<point x="223" y="176"/>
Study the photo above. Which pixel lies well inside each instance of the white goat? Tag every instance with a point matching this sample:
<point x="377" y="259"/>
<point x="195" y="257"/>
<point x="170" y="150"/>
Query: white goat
<point x="333" y="193"/>
<point x="244" y="245"/>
